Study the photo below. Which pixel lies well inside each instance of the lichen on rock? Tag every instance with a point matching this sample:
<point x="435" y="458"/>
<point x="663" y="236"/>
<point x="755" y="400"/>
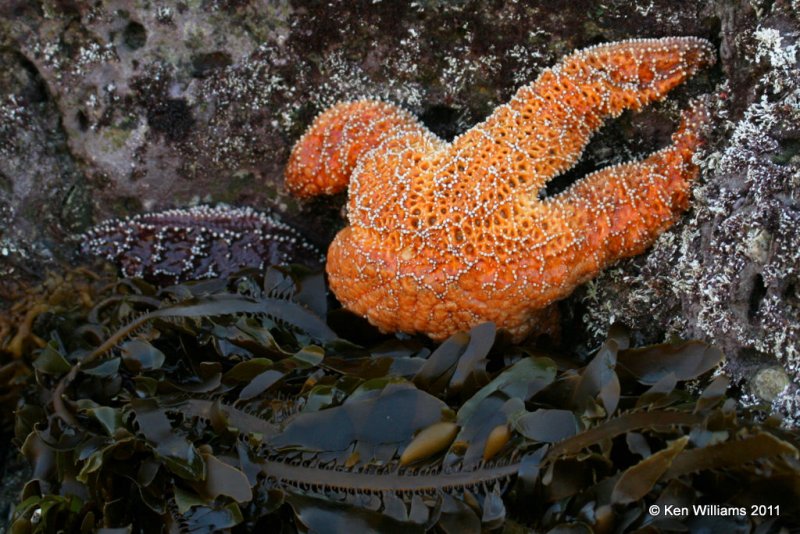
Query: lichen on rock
<point x="729" y="271"/>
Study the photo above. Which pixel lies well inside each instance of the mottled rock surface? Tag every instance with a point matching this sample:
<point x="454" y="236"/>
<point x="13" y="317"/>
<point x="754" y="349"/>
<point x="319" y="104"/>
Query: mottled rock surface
<point x="114" y="107"/>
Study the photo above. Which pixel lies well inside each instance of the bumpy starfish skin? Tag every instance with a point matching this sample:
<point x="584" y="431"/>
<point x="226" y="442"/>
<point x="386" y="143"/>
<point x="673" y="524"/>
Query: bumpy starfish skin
<point x="199" y="242"/>
<point x="443" y="236"/>
<point x="323" y="160"/>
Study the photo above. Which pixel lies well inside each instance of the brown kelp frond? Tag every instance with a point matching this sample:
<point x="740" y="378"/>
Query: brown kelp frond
<point x="230" y="405"/>
<point x="406" y="483"/>
<point x="194" y="312"/>
<point x="28" y="314"/>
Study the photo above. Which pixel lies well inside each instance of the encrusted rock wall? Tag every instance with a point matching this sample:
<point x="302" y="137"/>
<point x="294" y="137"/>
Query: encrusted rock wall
<point x="114" y="107"/>
<point x="730" y="270"/>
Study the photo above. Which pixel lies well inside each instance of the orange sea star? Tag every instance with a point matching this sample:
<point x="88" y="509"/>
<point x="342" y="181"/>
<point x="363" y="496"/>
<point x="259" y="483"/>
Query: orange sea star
<point x="443" y="236"/>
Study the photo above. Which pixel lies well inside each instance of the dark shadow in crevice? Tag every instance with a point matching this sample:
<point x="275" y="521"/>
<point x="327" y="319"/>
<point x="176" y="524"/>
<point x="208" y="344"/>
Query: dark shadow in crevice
<point x="445" y="121"/>
<point x="757" y="294"/>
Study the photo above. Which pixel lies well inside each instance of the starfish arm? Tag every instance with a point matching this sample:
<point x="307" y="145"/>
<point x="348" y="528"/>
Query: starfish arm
<point x="385" y="182"/>
<point x="443" y="236"/>
<point x="199" y="242"/>
<point x="544" y="129"/>
<point x="323" y="159"/>
<point x="618" y="212"/>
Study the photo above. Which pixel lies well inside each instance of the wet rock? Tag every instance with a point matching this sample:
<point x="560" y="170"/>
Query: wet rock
<point x="728" y="272"/>
<point x="117" y="107"/>
<point x="769" y="382"/>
